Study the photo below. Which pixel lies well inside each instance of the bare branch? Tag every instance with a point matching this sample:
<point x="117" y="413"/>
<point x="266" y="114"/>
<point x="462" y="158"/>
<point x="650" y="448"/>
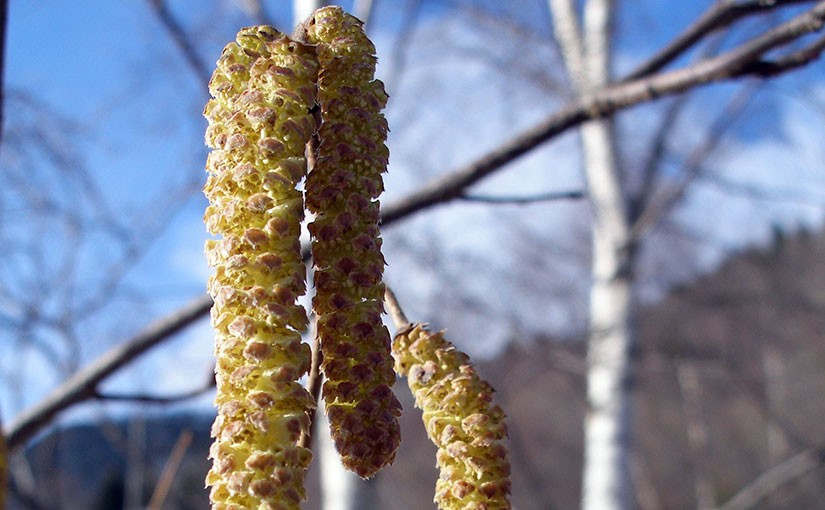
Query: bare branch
<point x="140" y="398"/>
<point x="4" y="16"/>
<point x="771" y="68"/>
<point x="314" y="382"/>
<point x="182" y="40"/>
<point x="83" y="385"/>
<point x="544" y="197"/>
<point x="405" y="34"/>
<point x="650" y="169"/>
<point x="656" y="210"/>
<point x="771" y="480"/>
<point x="729" y="65"/>
<point x="394" y="308"/>
<point x="167" y="476"/>
<point x="721" y="14"/>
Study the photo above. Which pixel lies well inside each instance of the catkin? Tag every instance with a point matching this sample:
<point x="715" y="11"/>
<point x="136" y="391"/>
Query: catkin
<point x="460" y="420"/>
<point x="259" y="124"/>
<point x="342" y="190"/>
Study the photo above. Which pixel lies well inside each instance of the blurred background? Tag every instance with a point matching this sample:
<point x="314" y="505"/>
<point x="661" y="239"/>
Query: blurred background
<point x="102" y="161"/>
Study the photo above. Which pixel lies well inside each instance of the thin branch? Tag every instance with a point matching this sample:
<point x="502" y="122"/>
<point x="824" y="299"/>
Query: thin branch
<point x="544" y="197"/>
<point x="4" y="18"/>
<point x="650" y="170"/>
<point x="753" y="192"/>
<point x="729" y="65"/>
<point x="140" y="398"/>
<point x="604" y="103"/>
<point x="722" y="14"/>
<point x="394" y="309"/>
<point x="398" y="54"/>
<point x="656" y="210"/>
<point x="182" y="40"/>
<point x="170" y="470"/>
<point x="771" y="480"/>
<point x="640" y="199"/>
<point x="314" y="383"/>
<point x="83" y="385"/>
<point x="771" y="68"/>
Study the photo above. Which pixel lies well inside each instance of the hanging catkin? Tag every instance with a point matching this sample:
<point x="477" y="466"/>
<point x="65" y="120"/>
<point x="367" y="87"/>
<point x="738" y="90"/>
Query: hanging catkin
<point x="342" y="191"/>
<point x="259" y="123"/>
<point x="460" y="420"/>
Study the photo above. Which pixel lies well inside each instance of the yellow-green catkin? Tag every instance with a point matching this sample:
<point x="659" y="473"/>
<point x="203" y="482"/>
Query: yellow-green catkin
<point x="460" y="420"/>
<point x="342" y="190"/>
<point x="259" y="124"/>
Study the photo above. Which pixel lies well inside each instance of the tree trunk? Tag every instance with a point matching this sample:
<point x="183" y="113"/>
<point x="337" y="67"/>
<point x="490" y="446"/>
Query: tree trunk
<point x="301" y="9"/>
<point x="341" y="490"/>
<point x="606" y="477"/>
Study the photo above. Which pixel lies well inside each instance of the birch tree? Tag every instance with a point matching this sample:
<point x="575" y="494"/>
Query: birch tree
<point x="586" y="48"/>
<point x="618" y="221"/>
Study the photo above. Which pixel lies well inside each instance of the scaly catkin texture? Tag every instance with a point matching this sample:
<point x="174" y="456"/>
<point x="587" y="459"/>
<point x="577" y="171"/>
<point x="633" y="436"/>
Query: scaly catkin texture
<point x="460" y="420"/>
<point x="342" y="190"/>
<point x="259" y="123"/>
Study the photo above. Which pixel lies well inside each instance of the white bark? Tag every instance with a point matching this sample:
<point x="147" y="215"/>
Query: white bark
<point x="689" y="383"/>
<point x="778" y="443"/>
<point x="301" y="9"/>
<point x="363" y="10"/>
<point x="341" y="489"/>
<point x="606" y="478"/>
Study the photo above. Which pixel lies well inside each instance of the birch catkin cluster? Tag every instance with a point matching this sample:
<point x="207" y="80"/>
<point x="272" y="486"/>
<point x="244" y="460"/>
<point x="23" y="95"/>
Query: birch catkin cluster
<point x="265" y="92"/>
<point x="460" y="420"/>
<point x="269" y="92"/>
<point x="346" y="250"/>
<point x="259" y="125"/>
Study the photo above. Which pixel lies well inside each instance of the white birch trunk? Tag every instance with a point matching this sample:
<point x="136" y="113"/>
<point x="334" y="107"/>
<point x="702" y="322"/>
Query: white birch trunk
<point x="606" y="477"/>
<point x="341" y="490"/>
<point x="688" y="378"/>
<point x="301" y="9"/>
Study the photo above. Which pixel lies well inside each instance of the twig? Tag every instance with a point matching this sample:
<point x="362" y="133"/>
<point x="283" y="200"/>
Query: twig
<point x="4" y="18"/>
<point x="167" y="476"/>
<point x="83" y="385"/>
<point x="650" y="169"/>
<point x="182" y="40"/>
<point x="655" y="210"/>
<point x="544" y="197"/>
<point x="771" y="480"/>
<point x="721" y="14"/>
<point x="314" y="381"/>
<point x="157" y="399"/>
<point x="394" y="309"/>
<point x="771" y="68"/>
<point x="729" y="65"/>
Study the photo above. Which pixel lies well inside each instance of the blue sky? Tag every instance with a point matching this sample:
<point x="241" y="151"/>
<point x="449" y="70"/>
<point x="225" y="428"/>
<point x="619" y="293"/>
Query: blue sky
<point x="133" y="128"/>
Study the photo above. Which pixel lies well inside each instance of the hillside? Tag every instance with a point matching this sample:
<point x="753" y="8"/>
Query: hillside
<point x="730" y="383"/>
